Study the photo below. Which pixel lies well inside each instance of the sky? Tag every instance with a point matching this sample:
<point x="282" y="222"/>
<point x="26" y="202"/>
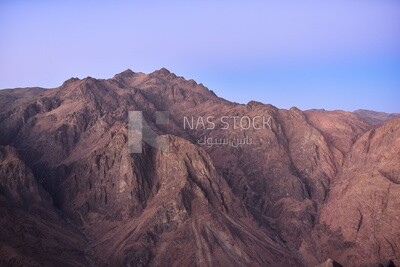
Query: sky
<point x="314" y="54"/>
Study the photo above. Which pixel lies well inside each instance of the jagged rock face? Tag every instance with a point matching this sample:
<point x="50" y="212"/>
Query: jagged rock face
<point x="32" y="232"/>
<point x="312" y="186"/>
<point x="364" y="200"/>
<point x="188" y="217"/>
<point x="17" y="182"/>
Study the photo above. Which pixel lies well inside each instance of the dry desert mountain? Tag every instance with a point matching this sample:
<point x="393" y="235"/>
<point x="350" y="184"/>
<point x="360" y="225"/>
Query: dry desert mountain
<point x="314" y="188"/>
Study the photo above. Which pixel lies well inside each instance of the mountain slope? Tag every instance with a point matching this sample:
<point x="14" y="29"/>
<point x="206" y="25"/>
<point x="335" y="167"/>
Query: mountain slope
<point x="32" y="232"/>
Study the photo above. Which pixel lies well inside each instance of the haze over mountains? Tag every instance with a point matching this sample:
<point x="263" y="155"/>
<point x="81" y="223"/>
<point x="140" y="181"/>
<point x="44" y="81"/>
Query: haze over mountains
<point x="316" y="185"/>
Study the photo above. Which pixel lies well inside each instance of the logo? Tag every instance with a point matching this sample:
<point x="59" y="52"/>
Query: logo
<point x="139" y="131"/>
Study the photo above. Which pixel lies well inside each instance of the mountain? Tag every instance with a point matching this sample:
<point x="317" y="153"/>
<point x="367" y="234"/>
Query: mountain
<point x="375" y="118"/>
<point x="292" y="188"/>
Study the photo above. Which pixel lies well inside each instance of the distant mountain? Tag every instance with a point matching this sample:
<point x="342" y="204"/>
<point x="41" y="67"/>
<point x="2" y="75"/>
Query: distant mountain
<point x="241" y="185"/>
<point x="375" y="118"/>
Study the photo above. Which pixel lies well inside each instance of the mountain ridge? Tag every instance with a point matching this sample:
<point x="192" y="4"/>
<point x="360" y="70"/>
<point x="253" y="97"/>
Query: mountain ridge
<point x="164" y="72"/>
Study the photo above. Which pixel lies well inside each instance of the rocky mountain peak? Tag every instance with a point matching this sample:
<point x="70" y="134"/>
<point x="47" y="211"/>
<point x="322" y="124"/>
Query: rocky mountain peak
<point x="126" y="74"/>
<point x="163" y="73"/>
<point x="70" y="80"/>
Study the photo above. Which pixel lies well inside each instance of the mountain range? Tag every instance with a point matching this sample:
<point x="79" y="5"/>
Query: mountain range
<point x="314" y="187"/>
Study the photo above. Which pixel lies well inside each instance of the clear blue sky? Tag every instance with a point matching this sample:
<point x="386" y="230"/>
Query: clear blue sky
<point x="314" y="54"/>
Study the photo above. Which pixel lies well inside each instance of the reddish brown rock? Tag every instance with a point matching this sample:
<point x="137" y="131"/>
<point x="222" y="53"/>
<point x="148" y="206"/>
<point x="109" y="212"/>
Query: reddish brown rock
<point x="314" y="185"/>
<point x="364" y="200"/>
<point x="32" y="232"/>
